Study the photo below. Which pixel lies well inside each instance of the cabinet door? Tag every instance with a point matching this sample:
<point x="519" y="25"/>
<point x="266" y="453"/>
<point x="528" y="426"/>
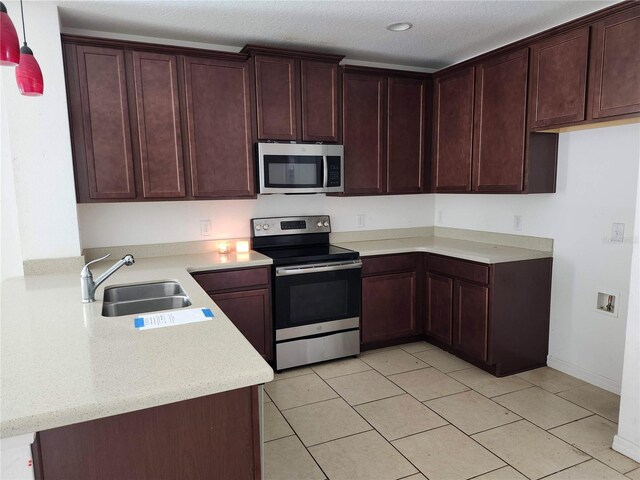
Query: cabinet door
<point x="453" y="131"/>
<point x="363" y="117"/>
<point x="405" y="135"/>
<point x="319" y="101"/>
<point x="219" y="128"/>
<point x="559" y="78"/>
<point x="616" y="65"/>
<point x="388" y="307"/>
<point x="158" y="116"/>
<point x="471" y="314"/>
<point x="276" y="97"/>
<point x="104" y="124"/>
<point x="500" y="123"/>
<point x="439" y="307"/>
<point x="250" y="312"/>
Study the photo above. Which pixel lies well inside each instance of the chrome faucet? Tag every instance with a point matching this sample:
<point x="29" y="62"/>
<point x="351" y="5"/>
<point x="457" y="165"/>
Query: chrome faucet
<point x="88" y="286"/>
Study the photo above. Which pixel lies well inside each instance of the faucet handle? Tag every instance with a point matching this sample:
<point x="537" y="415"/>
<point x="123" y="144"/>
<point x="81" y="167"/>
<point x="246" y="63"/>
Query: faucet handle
<point x="85" y="270"/>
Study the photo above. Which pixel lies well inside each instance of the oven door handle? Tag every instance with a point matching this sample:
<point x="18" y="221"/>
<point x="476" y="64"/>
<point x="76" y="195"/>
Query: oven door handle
<point x="317" y="267"/>
<point x="325" y="172"/>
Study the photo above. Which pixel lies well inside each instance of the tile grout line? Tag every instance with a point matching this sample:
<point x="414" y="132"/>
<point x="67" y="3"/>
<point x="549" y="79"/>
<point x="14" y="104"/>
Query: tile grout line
<point x="567" y="468"/>
<point x="469" y="388"/>
<point x="512" y="466"/>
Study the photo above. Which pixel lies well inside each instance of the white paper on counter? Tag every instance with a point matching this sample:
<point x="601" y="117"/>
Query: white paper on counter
<point x="173" y="318"/>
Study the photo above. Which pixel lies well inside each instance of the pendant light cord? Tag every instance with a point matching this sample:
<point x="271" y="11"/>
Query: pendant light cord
<point x="24" y="32"/>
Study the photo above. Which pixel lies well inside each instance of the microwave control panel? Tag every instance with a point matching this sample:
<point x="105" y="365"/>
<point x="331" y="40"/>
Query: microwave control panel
<point x="334" y="171"/>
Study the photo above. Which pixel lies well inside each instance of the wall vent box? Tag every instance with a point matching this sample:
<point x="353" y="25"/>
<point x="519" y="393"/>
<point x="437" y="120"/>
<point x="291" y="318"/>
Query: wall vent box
<point x="608" y="303"/>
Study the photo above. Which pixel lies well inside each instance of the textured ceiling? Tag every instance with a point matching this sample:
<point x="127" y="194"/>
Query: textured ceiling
<point x="444" y="32"/>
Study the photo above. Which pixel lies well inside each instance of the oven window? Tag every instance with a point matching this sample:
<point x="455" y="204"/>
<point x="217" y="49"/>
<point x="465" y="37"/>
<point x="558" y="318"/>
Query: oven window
<point x="293" y="171"/>
<point x="318" y="301"/>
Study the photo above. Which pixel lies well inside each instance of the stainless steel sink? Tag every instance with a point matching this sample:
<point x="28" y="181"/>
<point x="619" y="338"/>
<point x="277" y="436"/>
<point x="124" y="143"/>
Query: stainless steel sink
<point x="143" y="298"/>
<point x="126" y="293"/>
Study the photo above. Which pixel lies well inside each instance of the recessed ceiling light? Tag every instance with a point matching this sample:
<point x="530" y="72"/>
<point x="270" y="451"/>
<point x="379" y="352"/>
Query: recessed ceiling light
<point x="399" y="27"/>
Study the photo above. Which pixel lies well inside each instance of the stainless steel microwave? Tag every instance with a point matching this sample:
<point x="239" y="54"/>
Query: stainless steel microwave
<point x="300" y="168"/>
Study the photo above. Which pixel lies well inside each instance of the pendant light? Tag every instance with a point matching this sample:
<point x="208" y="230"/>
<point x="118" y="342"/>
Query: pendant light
<point x="28" y="73"/>
<point x="9" y="44"/>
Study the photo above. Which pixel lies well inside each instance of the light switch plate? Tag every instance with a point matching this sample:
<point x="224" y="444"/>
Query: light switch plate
<point x="517" y="223"/>
<point x="617" y="232"/>
<point x="205" y="228"/>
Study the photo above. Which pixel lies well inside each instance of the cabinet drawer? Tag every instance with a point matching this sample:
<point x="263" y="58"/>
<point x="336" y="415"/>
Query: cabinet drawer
<point x="459" y="269"/>
<point x="389" y="263"/>
<point x="233" y="279"/>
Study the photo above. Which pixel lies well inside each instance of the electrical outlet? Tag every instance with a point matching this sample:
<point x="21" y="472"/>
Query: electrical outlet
<point x="360" y="220"/>
<point x="440" y="215"/>
<point x="517" y="223"/>
<point x="205" y="228"/>
<point x="617" y="232"/>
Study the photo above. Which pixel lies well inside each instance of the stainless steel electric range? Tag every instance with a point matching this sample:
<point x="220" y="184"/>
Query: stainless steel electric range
<point x="316" y="290"/>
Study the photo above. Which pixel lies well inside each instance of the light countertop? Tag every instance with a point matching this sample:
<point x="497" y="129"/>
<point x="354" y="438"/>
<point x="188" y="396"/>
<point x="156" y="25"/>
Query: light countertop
<point x="63" y="362"/>
<point x="463" y="249"/>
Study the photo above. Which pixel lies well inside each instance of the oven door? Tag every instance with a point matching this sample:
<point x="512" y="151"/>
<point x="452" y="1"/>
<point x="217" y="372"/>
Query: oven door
<point x="316" y="293"/>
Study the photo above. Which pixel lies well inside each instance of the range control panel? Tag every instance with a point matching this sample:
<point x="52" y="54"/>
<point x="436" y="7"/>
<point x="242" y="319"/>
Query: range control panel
<point x="263" y="227"/>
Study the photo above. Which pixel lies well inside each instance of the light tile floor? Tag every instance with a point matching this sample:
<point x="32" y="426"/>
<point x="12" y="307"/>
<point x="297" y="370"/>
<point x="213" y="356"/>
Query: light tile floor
<point x="415" y="412"/>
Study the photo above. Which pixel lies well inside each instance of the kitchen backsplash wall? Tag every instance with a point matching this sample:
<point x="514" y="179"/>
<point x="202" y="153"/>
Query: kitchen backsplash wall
<point x="104" y="225"/>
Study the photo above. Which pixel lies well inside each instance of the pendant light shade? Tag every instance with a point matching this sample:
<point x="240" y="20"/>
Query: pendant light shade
<point x="9" y="45"/>
<point x="28" y="74"/>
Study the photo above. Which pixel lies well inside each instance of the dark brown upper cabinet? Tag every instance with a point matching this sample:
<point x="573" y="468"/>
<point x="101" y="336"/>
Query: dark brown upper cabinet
<point x="218" y="111"/>
<point x="99" y="114"/>
<point x="319" y="83"/>
<point x="296" y="94"/>
<point x="406" y="112"/>
<point x="363" y="133"/>
<point x="481" y="142"/>
<point x="616" y="65"/>
<point x="558" y="88"/>
<point x="155" y="122"/>
<point x="276" y="97"/>
<point x="500" y="123"/>
<point x="384" y="133"/>
<point x="453" y="131"/>
<point x="158" y="123"/>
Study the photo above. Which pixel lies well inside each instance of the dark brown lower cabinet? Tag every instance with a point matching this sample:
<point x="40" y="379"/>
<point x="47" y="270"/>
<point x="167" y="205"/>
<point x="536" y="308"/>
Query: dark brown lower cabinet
<point x="250" y="311"/>
<point x="244" y="295"/>
<point x="439" y="307"/>
<point x="389" y="300"/>
<point x="471" y="319"/>
<point x="215" y="437"/>
<point x="495" y="316"/>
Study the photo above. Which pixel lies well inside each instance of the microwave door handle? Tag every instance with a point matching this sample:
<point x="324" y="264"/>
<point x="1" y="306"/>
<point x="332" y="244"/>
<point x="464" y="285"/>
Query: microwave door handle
<point x="325" y="171"/>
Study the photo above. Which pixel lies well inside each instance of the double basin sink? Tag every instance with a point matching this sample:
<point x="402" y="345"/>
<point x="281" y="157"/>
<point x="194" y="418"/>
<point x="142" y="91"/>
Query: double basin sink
<point x="143" y="298"/>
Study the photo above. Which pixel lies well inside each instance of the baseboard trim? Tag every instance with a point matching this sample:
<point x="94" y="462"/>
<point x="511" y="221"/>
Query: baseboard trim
<point x="626" y="448"/>
<point x="584" y="374"/>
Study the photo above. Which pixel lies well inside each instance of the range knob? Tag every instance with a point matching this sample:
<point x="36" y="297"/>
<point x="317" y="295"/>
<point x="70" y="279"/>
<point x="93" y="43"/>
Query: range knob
<point x="258" y="226"/>
<point x="326" y="223"/>
<point x="319" y="224"/>
<point x="265" y="226"/>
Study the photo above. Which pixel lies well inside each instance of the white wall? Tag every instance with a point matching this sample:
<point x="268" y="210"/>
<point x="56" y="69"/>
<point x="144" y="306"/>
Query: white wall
<point x="627" y="441"/>
<point x="597" y="182"/>
<point x="40" y="145"/>
<point x="160" y="222"/>
<point x="10" y="251"/>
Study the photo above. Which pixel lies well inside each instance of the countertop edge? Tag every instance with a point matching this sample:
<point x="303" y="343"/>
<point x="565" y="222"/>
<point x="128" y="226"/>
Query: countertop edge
<point x="390" y="250"/>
